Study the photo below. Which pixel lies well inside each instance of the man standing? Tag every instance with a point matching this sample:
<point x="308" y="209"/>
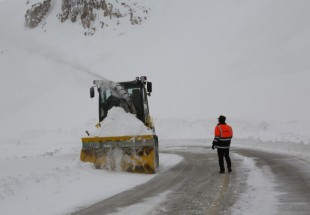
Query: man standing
<point x="223" y="134"/>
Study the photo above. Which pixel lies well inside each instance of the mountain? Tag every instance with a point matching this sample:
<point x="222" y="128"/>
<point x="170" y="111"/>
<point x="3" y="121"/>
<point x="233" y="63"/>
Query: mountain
<point x="245" y="59"/>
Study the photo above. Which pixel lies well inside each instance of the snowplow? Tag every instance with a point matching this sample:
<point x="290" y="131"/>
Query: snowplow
<point x="128" y="152"/>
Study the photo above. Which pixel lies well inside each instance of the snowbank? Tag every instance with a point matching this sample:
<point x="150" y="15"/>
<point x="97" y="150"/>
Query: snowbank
<point x="265" y="131"/>
<point x="58" y="183"/>
<point x="290" y="137"/>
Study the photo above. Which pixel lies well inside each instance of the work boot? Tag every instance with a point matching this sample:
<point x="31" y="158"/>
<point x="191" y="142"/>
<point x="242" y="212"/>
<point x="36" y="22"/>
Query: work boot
<point x="222" y="172"/>
<point x="229" y="170"/>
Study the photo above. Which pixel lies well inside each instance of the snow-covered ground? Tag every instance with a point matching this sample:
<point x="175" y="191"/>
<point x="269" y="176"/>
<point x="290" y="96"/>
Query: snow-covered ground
<point x="244" y="59"/>
<point x="58" y="183"/>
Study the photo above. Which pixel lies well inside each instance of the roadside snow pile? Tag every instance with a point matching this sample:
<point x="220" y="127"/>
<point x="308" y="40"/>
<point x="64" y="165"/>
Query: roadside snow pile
<point x="59" y="183"/>
<point x="266" y="131"/>
<point x="120" y="123"/>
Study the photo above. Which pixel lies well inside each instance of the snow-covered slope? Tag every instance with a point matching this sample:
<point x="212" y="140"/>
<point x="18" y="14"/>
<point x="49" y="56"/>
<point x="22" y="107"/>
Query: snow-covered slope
<point x="201" y="56"/>
<point x="246" y="59"/>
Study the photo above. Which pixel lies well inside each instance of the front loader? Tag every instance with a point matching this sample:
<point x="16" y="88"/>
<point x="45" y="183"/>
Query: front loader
<point x="124" y="153"/>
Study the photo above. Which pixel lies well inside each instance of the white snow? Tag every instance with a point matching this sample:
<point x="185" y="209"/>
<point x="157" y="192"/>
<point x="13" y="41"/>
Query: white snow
<point x="247" y="60"/>
<point x="58" y="183"/>
<point x="120" y="123"/>
<point x="261" y="130"/>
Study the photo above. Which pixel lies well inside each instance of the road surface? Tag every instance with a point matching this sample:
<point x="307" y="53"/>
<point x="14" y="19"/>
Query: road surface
<point x="276" y="184"/>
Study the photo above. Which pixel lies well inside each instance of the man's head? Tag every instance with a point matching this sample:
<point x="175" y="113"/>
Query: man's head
<point x="222" y="119"/>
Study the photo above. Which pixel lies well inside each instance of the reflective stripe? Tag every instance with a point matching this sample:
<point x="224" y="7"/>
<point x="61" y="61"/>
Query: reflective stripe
<point x="226" y="139"/>
<point x="222" y="147"/>
<point x="220" y="130"/>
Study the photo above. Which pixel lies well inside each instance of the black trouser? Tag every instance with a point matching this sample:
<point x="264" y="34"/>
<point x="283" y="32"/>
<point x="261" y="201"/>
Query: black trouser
<point x="224" y="153"/>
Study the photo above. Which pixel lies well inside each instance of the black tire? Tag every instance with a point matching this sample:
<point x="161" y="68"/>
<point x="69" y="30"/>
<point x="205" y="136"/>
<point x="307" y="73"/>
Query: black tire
<point x="156" y="151"/>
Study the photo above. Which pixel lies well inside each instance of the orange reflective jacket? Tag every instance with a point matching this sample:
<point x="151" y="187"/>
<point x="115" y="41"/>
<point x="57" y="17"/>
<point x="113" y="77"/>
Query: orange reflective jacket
<point x="223" y="134"/>
<point x="223" y="131"/>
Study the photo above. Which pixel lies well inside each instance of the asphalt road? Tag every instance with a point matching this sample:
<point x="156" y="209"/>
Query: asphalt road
<point x="195" y="187"/>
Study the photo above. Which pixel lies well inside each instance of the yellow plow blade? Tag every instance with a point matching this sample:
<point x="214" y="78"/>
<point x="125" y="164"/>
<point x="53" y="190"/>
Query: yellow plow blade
<point x="124" y="153"/>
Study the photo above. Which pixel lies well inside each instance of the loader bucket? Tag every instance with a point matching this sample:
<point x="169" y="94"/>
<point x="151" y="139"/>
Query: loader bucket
<point x="137" y="154"/>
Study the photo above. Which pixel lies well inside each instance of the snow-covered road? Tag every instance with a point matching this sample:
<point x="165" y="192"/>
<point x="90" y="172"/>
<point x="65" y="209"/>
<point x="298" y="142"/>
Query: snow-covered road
<point x="261" y="183"/>
<point x="289" y="192"/>
<point x="46" y="181"/>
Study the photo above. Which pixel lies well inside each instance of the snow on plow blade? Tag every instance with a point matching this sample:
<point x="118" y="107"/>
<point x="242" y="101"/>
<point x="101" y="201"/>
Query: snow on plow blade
<point x="123" y="153"/>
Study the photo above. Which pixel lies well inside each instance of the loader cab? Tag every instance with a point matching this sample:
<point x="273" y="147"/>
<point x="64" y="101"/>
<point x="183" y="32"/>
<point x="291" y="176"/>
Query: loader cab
<point x="138" y="91"/>
<point x="107" y="100"/>
<point x="139" y="98"/>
